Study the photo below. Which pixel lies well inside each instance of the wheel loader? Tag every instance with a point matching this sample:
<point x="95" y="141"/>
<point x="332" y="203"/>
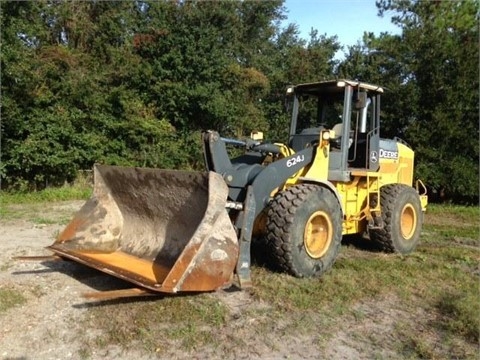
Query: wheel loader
<point x="169" y="231"/>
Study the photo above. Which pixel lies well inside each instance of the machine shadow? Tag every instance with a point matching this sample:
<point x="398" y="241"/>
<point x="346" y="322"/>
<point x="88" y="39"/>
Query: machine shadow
<point x="97" y="281"/>
<point x="360" y="242"/>
<point x="90" y="277"/>
<point x="260" y="252"/>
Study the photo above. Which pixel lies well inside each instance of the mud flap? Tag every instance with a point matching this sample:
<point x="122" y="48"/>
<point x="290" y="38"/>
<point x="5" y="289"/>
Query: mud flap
<point x="164" y="230"/>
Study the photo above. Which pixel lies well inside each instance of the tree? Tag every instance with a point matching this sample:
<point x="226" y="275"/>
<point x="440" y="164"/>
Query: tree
<point x="431" y="74"/>
<point x="65" y="105"/>
<point x="133" y="83"/>
<point x="126" y="82"/>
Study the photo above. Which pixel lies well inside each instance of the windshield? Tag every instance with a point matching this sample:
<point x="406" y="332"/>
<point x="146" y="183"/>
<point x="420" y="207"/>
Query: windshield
<point x="318" y="111"/>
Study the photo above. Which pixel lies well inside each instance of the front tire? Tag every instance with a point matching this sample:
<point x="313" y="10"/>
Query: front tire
<point x="304" y="230"/>
<point x="402" y="218"/>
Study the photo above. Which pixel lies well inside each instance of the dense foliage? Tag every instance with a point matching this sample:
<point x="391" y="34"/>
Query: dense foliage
<point x="134" y="82"/>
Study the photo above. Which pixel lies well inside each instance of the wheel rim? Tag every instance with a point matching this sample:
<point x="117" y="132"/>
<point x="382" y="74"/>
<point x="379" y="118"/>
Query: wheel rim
<point x="408" y="221"/>
<point x="318" y="234"/>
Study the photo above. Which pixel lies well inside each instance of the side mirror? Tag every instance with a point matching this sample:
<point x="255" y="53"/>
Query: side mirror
<point x="289" y="97"/>
<point x="360" y="100"/>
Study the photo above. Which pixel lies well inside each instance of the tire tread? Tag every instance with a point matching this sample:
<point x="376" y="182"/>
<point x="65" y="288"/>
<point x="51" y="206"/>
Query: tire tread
<point x="281" y="217"/>
<point x="384" y="237"/>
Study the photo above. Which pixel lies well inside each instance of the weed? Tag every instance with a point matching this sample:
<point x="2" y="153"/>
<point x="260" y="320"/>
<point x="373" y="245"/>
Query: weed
<point x="191" y="321"/>
<point x="5" y="266"/>
<point x="84" y="353"/>
<point x="43" y="221"/>
<point x="10" y="298"/>
<point x="461" y="313"/>
<point x="417" y="347"/>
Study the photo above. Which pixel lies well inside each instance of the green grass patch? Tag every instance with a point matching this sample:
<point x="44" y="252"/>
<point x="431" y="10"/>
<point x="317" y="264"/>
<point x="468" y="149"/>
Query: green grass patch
<point x="465" y="232"/>
<point x="51" y="213"/>
<point x="40" y="207"/>
<point x="191" y="321"/>
<point x="48" y="195"/>
<point x="460" y="310"/>
<point x="10" y="298"/>
<point x="464" y="213"/>
<point x="449" y="225"/>
<point x="44" y="220"/>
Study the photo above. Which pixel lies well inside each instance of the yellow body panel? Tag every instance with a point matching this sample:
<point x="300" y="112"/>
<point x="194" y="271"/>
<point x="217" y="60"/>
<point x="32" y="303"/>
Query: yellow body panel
<point x="319" y="168"/>
<point x="356" y="200"/>
<point x="359" y="197"/>
<point x="398" y="170"/>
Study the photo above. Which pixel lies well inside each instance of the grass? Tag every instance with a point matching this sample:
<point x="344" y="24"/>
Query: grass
<point x="460" y="311"/>
<point x="51" y="213"/>
<point x="425" y="304"/>
<point x="153" y="325"/>
<point x="19" y="205"/>
<point x="64" y="193"/>
<point x="441" y="279"/>
<point x="10" y="298"/>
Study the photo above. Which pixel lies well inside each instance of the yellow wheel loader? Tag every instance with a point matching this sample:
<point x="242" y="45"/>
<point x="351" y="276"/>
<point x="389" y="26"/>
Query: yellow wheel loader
<point x="181" y="231"/>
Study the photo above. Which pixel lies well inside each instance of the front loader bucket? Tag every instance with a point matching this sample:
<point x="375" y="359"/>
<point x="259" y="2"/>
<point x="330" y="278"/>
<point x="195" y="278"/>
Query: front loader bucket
<point x="164" y="230"/>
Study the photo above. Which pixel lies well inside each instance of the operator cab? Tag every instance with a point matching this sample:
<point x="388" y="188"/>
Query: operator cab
<point x="351" y="109"/>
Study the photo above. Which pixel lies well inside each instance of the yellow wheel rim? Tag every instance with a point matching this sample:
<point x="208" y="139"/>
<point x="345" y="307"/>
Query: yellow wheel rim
<point x="318" y="234"/>
<point x="408" y="221"/>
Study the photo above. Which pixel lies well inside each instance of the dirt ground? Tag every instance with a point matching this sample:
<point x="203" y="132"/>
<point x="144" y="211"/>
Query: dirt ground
<point x="48" y="325"/>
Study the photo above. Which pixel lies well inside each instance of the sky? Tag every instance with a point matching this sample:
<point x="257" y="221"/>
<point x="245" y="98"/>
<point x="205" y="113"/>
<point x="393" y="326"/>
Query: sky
<point x="347" y="19"/>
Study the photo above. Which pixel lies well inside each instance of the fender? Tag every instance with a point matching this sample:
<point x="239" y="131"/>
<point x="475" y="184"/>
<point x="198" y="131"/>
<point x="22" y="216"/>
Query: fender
<point x="328" y="185"/>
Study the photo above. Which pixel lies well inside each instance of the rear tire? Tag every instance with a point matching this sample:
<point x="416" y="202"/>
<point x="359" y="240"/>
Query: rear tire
<point x="402" y="219"/>
<point x="304" y="230"/>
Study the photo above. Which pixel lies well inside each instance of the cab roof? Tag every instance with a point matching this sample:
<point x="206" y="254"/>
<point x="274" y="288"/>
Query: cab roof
<point x="334" y="86"/>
